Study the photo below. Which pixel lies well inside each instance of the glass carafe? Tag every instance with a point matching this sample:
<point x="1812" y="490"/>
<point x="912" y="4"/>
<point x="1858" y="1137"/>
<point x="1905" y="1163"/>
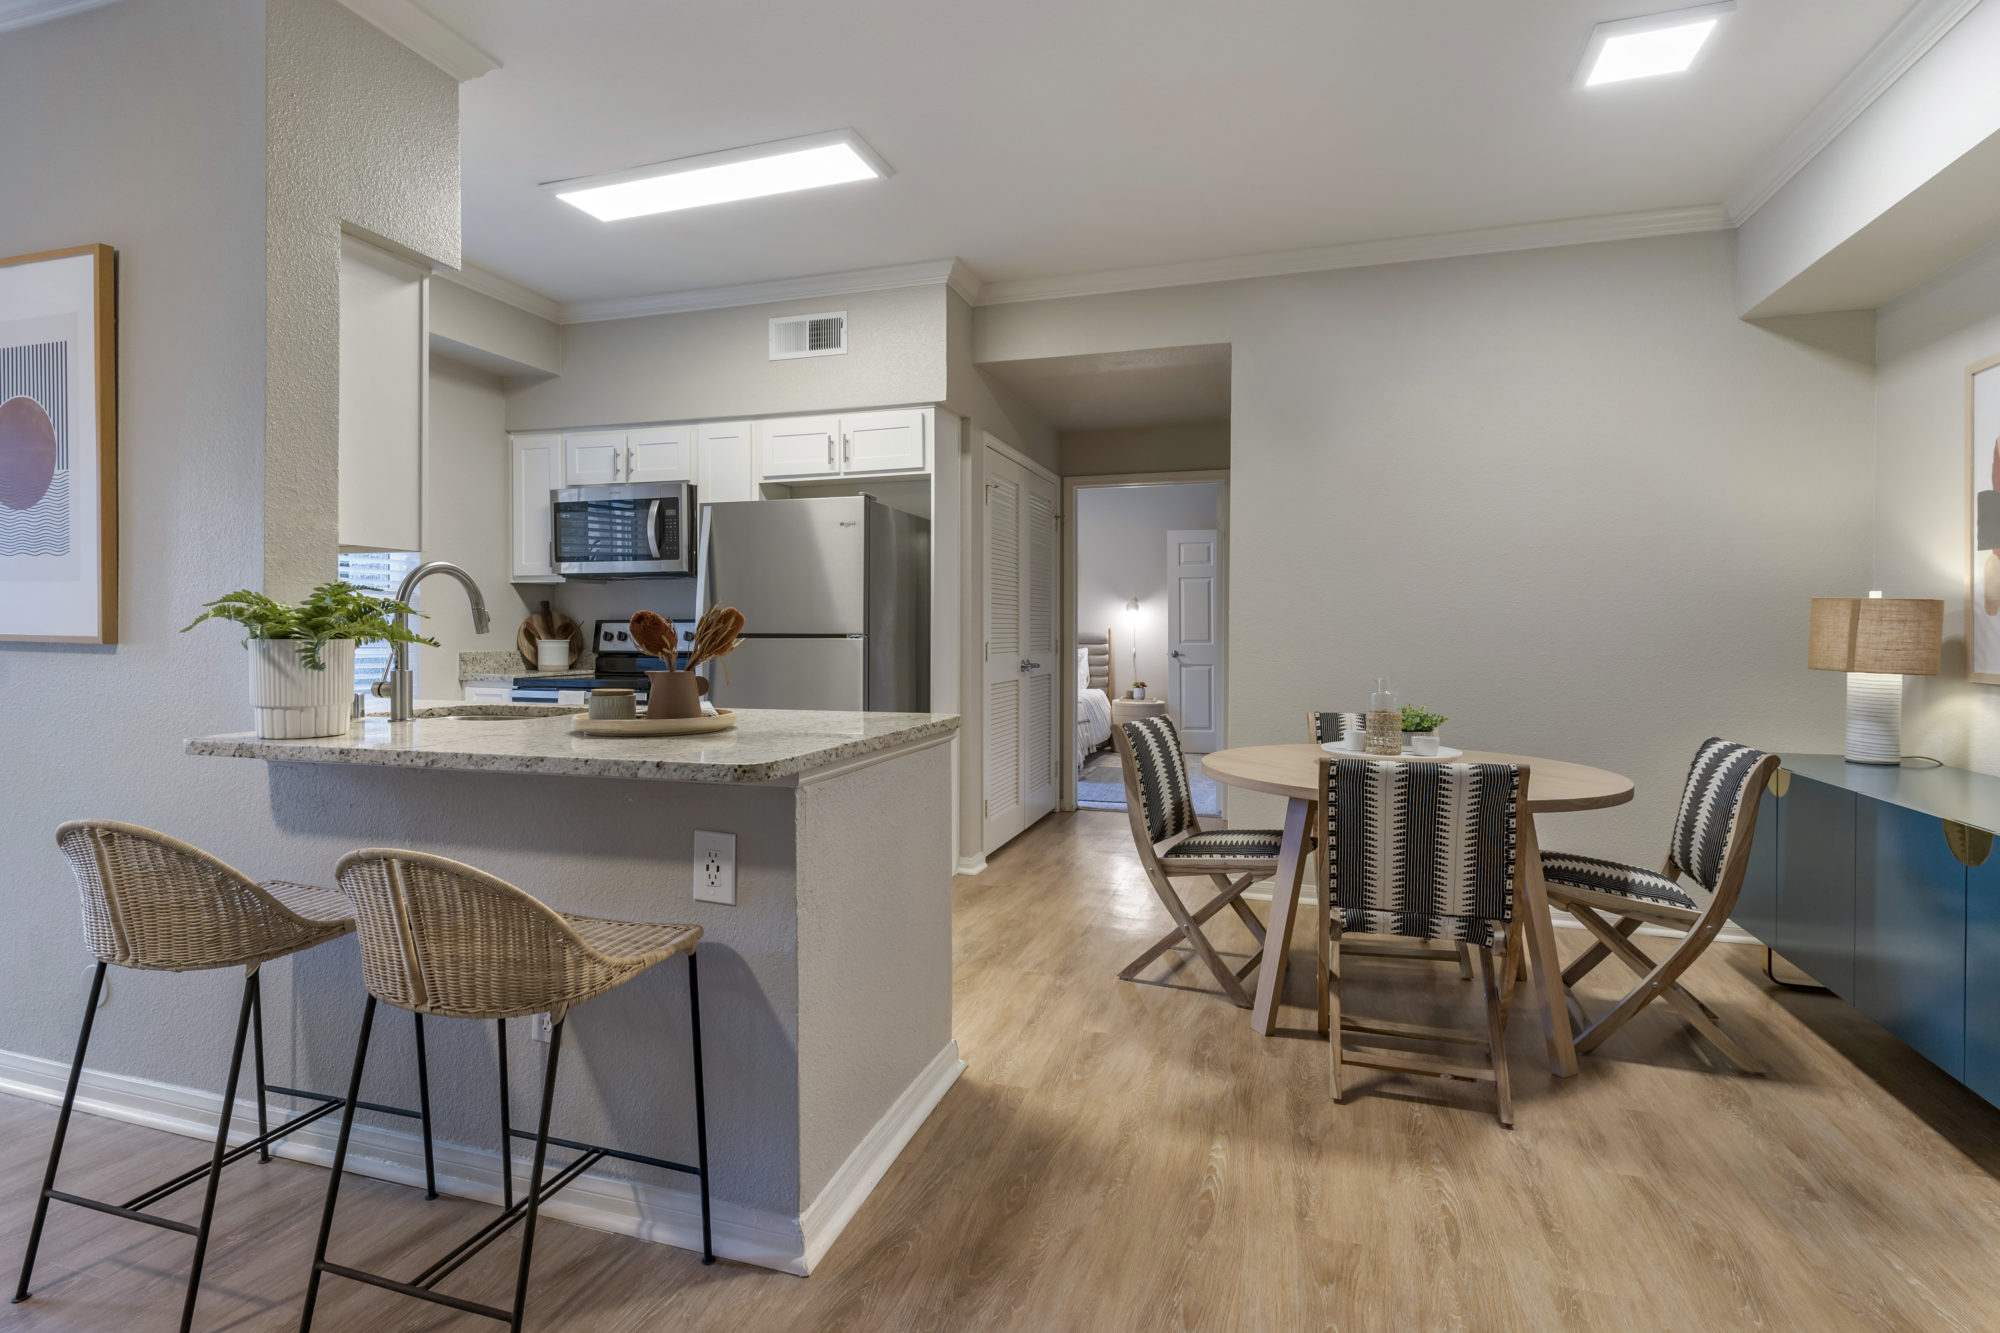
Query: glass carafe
<point x="1384" y="722"/>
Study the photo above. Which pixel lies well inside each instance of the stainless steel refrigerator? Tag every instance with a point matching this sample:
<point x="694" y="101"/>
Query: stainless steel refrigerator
<point x="835" y="596"/>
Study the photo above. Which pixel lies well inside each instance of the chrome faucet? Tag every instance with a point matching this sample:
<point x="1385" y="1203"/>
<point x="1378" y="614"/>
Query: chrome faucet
<point x="398" y="682"/>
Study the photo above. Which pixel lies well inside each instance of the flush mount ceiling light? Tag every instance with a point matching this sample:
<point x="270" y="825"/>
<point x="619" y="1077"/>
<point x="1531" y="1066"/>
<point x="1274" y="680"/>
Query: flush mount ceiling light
<point x="1655" y="44"/>
<point x="717" y="178"/>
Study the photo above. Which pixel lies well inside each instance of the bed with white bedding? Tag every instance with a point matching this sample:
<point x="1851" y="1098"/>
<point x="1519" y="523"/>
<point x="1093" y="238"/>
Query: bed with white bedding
<point x="1093" y="694"/>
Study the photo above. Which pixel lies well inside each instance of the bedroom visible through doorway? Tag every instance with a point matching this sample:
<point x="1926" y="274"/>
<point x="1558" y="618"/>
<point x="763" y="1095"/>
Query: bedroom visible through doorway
<point x="1151" y="622"/>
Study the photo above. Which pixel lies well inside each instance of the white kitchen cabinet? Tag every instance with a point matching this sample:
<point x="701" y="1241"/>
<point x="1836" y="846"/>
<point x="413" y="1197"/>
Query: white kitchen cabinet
<point x="792" y="448"/>
<point x="722" y="462"/>
<point x="537" y="467"/>
<point x="593" y="458"/>
<point x="875" y="442"/>
<point x="659" y="453"/>
<point x="488" y="694"/>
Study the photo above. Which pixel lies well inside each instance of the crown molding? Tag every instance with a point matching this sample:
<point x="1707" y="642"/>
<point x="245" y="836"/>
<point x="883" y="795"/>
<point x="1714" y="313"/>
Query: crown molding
<point x="26" y="13"/>
<point x="410" y="24"/>
<point x="487" y="283"/>
<point x="927" y="274"/>
<point x="1363" y="254"/>
<point x="1888" y="60"/>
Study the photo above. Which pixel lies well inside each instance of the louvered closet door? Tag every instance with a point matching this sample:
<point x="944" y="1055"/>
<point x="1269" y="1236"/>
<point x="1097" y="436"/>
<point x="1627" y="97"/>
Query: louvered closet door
<point x="1021" y="649"/>
<point x="1005" y="810"/>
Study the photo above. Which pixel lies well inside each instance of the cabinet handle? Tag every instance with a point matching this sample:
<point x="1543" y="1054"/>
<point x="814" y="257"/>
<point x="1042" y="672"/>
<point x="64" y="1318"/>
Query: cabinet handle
<point x="847" y="449"/>
<point x="1971" y="846"/>
<point x="829" y="451"/>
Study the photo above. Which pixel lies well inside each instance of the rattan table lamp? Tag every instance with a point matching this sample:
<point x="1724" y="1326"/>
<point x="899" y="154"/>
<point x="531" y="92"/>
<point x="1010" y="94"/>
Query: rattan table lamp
<point x="1877" y="641"/>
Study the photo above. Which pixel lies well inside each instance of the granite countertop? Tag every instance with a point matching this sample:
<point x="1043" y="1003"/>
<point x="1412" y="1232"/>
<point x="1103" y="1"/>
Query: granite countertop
<point x="767" y="744"/>
<point x="508" y="666"/>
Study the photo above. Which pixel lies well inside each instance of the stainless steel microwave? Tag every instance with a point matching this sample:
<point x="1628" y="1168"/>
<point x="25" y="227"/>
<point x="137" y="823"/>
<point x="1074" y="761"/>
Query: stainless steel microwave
<point x="623" y="532"/>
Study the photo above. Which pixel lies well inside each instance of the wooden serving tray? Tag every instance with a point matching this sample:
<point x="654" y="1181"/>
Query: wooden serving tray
<point x="583" y="724"/>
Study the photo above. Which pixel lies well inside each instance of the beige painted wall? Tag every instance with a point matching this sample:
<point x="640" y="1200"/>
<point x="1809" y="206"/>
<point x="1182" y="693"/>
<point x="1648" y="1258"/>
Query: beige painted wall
<point x="363" y="135"/>
<point x="168" y="158"/>
<point x="1194" y="446"/>
<point x="714" y="365"/>
<point x="1564" y="496"/>
<point x="1924" y="343"/>
<point x="465" y="507"/>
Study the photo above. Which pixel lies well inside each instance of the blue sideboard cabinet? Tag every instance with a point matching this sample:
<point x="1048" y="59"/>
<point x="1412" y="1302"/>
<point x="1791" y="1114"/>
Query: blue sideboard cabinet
<point x="1881" y="884"/>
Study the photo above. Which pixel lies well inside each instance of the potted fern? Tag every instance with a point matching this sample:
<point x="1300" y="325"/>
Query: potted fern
<point x="1420" y="729"/>
<point x="302" y="655"/>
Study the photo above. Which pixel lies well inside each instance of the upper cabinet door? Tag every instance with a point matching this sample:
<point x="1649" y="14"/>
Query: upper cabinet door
<point x="594" y="458"/>
<point x="537" y="470"/>
<point x="722" y="462"/>
<point x="884" y="442"/>
<point x="795" y="447"/>
<point x="660" y="453"/>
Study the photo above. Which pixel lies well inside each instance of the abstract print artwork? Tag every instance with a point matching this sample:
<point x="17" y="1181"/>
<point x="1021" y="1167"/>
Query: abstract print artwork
<point x="58" y="474"/>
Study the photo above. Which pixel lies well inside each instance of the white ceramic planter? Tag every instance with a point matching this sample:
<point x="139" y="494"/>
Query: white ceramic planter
<point x="293" y="702"/>
<point x="1422" y="742"/>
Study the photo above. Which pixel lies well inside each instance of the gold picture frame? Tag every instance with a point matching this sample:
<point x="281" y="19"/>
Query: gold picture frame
<point x="59" y="447"/>
<point x="1982" y="580"/>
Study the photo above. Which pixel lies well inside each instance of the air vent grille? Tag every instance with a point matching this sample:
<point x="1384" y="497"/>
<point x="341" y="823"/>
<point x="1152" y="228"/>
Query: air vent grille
<point x="809" y="335"/>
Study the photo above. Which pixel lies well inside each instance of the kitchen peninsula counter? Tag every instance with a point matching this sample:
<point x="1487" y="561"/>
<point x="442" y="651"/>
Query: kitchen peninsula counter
<point x="765" y="745"/>
<point x="825" y="983"/>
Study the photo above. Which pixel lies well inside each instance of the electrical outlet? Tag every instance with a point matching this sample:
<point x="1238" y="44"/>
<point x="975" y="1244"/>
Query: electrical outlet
<point x="715" y="867"/>
<point x="539" y="1028"/>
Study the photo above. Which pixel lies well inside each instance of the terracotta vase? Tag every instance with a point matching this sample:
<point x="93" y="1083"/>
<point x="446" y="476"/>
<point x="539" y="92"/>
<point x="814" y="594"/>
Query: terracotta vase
<point x="674" y="693"/>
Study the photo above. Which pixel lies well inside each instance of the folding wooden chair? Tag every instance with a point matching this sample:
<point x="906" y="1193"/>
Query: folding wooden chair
<point x="1330" y="727"/>
<point x="1172" y="844"/>
<point x="1695" y="891"/>
<point x="1424" y="850"/>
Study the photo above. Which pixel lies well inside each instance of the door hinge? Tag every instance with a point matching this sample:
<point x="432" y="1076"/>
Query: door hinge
<point x="986" y="810"/>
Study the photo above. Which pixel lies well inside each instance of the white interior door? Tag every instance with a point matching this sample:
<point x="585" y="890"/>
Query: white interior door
<point x="1194" y="637"/>
<point x="1021" y="649"/>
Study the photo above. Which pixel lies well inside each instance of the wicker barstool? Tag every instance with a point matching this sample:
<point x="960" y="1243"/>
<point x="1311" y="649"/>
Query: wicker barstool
<point x="440" y="937"/>
<point x="155" y="903"/>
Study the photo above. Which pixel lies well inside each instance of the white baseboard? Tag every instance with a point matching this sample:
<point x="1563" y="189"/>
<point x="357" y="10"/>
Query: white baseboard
<point x="1730" y="933"/>
<point x="625" y="1207"/>
<point x="971" y="865"/>
<point x="834" y="1207"/>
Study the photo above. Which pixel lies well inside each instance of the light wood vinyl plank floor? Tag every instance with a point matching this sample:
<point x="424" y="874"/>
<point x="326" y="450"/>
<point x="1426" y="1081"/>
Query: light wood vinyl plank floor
<point x="1124" y="1156"/>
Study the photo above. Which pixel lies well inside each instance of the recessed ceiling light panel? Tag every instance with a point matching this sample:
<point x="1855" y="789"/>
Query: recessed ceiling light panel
<point x="718" y="178"/>
<point x="1655" y="44"/>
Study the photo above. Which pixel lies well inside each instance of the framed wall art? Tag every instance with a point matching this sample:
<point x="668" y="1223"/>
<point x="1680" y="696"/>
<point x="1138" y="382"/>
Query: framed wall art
<point x="59" y="446"/>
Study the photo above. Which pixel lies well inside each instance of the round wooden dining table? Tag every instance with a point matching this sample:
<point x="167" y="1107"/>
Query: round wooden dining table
<point x="1292" y="771"/>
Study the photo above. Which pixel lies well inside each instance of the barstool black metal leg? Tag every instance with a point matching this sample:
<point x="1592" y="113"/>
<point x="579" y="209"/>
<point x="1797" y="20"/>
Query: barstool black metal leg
<point x="424" y="1110"/>
<point x="62" y="1131"/>
<point x="700" y="1111"/>
<point x="221" y="1147"/>
<point x="257" y="1038"/>
<point x="506" y="1125"/>
<point x="339" y="1161"/>
<point x="535" y="1174"/>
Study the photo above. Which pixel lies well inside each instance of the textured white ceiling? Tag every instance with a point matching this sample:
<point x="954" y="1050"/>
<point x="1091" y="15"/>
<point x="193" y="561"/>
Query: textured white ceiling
<point x="1044" y="137"/>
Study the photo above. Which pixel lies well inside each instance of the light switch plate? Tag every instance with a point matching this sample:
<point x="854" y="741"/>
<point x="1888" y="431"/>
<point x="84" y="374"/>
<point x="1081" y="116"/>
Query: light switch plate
<point x="715" y="867"/>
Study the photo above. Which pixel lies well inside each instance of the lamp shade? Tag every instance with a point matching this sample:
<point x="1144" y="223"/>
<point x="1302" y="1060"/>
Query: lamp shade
<point x="1900" y="636"/>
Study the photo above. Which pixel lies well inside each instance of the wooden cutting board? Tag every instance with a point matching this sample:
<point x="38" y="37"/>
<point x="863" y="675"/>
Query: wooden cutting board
<point x="583" y="724"/>
<point x="549" y="624"/>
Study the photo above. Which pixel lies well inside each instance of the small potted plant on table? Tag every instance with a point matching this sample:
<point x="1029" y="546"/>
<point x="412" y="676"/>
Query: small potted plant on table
<point x="1420" y="729"/>
<point x="302" y="655"/>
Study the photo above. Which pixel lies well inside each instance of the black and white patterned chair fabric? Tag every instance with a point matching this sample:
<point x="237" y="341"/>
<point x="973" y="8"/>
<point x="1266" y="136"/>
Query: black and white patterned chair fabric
<point x="1165" y="798"/>
<point x="1422" y="850"/>
<point x="1710" y="803"/>
<point x="1329" y="727"/>
<point x="1227" y="845"/>
<point x="1614" y="877"/>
